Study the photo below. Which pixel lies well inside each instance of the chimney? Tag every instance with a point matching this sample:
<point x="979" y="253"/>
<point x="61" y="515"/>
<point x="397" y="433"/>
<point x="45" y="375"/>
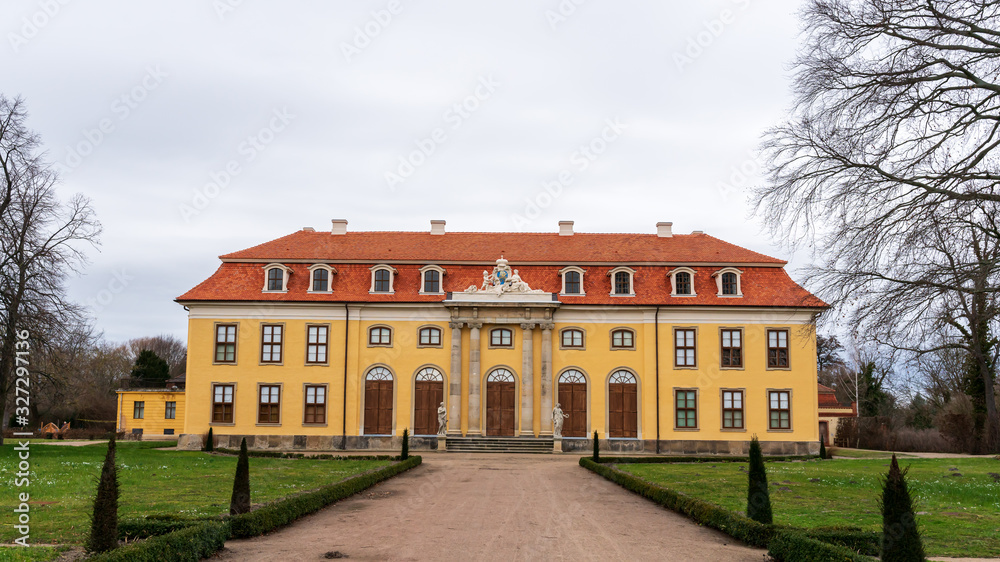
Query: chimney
<point x="663" y="229"/>
<point x="437" y="227"/>
<point x="339" y="226"/>
<point x="308" y="229"/>
<point x="565" y="228"/>
<point x="697" y="232"/>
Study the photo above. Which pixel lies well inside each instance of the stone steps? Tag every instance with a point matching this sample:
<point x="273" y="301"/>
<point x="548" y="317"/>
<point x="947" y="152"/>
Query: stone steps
<point x="499" y="445"/>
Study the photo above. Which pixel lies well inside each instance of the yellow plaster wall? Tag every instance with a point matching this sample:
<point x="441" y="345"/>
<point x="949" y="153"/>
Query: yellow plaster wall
<point x="153" y="421"/>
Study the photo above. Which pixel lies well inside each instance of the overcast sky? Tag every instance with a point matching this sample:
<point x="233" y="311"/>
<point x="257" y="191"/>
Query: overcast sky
<point x="202" y="127"/>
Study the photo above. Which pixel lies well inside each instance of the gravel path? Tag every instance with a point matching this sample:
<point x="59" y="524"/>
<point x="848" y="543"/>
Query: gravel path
<point x="494" y="507"/>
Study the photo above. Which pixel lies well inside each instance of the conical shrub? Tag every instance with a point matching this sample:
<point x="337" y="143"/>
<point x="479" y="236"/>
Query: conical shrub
<point x="597" y="448"/>
<point x="209" y="442"/>
<point x="900" y="536"/>
<point x="104" y="521"/>
<point x="822" y="449"/>
<point x="758" y="496"/>
<point x="240" y="502"/>
<point x="406" y="445"/>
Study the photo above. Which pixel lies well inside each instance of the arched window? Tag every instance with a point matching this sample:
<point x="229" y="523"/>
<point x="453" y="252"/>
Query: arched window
<point x="382" y="279"/>
<point x="573" y="401"/>
<point x="380" y="335"/>
<point x="622" y="281"/>
<point x="683" y="283"/>
<point x="572" y="338"/>
<point x="729" y="282"/>
<point x="275" y="279"/>
<point x="428" y="393"/>
<point x="429" y="337"/>
<point x="500" y="375"/>
<point x="378" y="402"/>
<point x="623" y="405"/>
<point x="501" y="337"/>
<point x="321" y="281"/>
<point x="572" y="280"/>
<point x="622" y="338"/>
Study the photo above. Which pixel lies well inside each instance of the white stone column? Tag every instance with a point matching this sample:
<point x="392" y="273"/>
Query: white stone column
<point x="455" y="381"/>
<point x="546" y="375"/>
<point x="527" y="382"/>
<point x="475" y="427"/>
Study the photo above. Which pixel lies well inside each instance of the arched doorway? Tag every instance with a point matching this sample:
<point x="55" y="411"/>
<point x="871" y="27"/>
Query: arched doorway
<point x="501" y="402"/>
<point x="573" y="399"/>
<point x="428" y="393"/>
<point x="623" y="405"/>
<point x="378" y="402"/>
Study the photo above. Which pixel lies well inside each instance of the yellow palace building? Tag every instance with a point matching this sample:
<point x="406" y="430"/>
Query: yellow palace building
<point x="658" y="342"/>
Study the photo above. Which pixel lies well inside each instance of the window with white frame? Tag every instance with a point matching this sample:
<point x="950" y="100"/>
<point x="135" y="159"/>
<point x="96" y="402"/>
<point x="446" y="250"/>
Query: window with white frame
<point x="622" y="281"/>
<point x="682" y="282"/>
<point x="572" y="281"/>
<point x="320" y="278"/>
<point x="271" y="338"/>
<point x="684" y="347"/>
<point x="729" y="282"/>
<point x="382" y="279"/>
<point x="732" y="409"/>
<point x="432" y="280"/>
<point x="276" y="278"/>
<point x="779" y="409"/>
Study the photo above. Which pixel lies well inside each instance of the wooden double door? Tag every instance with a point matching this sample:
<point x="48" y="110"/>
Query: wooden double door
<point x="501" y="402"/>
<point x="378" y="407"/>
<point x="623" y="410"/>
<point x="427" y="396"/>
<point x="573" y="400"/>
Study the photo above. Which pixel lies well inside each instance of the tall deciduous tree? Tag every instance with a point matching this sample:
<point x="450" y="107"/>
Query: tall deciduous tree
<point x="888" y="164"/>
<point x="42" y="240"/>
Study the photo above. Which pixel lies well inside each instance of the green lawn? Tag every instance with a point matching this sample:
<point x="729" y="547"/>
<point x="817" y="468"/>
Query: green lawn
<point x="64" y="480"/>
<point x="959" y="515"/>
<point x="865" y="453"/>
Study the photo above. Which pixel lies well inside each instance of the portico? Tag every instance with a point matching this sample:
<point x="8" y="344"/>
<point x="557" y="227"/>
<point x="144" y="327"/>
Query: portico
<point x="490" y="323"/>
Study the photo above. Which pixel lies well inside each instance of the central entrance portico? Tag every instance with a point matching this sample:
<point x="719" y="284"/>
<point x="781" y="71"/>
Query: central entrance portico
<point x="503" y="304"/>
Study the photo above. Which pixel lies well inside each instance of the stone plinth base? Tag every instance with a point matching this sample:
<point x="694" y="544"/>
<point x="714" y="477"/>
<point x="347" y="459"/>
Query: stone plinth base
<point x="557" y="445"/>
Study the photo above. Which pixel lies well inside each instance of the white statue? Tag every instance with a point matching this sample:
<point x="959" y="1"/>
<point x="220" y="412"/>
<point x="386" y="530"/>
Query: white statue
<point x="502" y="280"/>
<point x="442" y="419"/>
<point x="557" y="420"/>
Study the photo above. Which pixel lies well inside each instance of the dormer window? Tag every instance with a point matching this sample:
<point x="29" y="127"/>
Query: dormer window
<point x="431" y="280"/>
<point x="382" y="278"/>
<point x="572" y="281"/>
<point x="320" y="278"/>
<point x="682" y="282"/>
<point x="621" y="282"/>
<point x="728" y="282"/>
<point x="276" y="278"/>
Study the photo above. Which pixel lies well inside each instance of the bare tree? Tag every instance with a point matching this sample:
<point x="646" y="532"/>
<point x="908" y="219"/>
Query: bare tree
<point x="169" y="348"/>
<point x="886" y="169"/>
<point x="42" y="240"/>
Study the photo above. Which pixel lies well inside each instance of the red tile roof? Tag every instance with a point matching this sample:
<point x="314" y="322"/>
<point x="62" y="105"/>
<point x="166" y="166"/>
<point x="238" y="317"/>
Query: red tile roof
<point x="243" y="279"/>
<point x="516" y="247"/>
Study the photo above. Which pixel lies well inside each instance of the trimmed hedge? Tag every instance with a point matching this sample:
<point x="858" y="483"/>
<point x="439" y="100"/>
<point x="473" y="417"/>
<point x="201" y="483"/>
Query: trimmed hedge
<point x="283" y="512"/>
<point x="324" y="456"/>
<point x="795" y="546"/>
<point x="705" y="513"/>
<point x="857" y="540"/>
<point x="668" y="460"/>
<point x="189" y="544"/>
